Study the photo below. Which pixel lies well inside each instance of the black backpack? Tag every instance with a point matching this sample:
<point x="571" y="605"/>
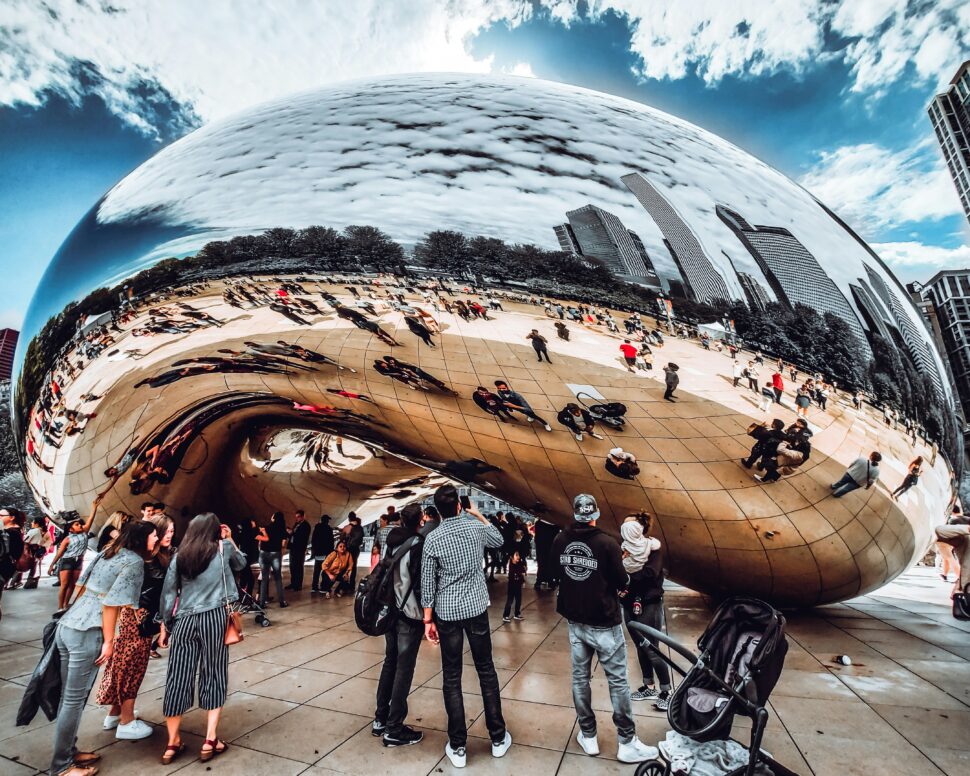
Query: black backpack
<point x="375" y="603"/>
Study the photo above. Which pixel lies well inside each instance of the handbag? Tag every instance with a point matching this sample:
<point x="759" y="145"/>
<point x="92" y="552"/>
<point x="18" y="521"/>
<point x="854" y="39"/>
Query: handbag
<point x="961" y="604"/>
<point x="234" y="632"/>
<point x="26" y="560"/>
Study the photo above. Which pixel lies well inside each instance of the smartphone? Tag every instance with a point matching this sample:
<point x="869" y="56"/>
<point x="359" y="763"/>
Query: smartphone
<point x="466" y="503"/>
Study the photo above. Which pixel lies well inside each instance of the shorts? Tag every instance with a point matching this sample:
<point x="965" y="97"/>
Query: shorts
<point x="70" y="564"/>
<point x="630" y="361"/>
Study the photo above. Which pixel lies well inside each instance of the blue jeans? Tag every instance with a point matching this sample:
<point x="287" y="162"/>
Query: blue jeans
<point x="610" y="649"/>
<point x="78" y="650"/>
<point x="845" y="485"/>
<point x="270" y="563"/>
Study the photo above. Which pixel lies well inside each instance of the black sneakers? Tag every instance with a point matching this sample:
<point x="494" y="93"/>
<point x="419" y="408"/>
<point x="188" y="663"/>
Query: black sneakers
<point x="405" y="737"/>
<point x="377" y="728"/>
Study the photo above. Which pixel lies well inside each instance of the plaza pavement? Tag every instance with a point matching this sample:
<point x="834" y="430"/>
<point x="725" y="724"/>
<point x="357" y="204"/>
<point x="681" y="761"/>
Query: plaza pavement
<point x="302" y="693"/>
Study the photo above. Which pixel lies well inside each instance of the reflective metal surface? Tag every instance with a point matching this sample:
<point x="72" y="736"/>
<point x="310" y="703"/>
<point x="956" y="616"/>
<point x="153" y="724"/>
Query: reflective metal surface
<point x="223" y="379"/>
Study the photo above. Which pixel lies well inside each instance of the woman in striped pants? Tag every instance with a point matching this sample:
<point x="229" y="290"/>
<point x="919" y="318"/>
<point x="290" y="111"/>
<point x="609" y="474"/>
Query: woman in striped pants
<point x="200" y="576"/>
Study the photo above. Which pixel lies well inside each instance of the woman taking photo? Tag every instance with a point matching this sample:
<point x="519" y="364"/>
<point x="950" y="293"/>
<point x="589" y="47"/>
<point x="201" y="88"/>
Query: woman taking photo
<point x="200" y="576"/>
<point x="913" y="471"/>
<point x="125" y="670"/>
<point x="85" y="636"/>
<point x="272" y="543"/>
<point x="68" y="560"/>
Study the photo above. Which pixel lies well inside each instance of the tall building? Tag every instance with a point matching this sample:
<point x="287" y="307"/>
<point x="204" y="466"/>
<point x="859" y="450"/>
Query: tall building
<point x="875" y="318"/>
<point x="950" y="116"/>
<point x="754" y="292"/>
<point x="650" y="276"/>
<point x="701" y="279"/>
<point x="793" y="273"/>
<point x="603" y="236"/>
<point x="915" y="338"/>
<point x="949" y="294"/>
<point x="8" y="343"/>
<point x="567" y="239"/>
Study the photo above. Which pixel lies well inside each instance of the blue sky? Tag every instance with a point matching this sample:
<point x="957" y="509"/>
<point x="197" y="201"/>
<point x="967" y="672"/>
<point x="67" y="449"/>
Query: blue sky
<point x="833" y="95"/>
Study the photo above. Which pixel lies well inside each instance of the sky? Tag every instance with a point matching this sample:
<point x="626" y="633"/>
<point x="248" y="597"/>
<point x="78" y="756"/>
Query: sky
<point x="832" y="94"/>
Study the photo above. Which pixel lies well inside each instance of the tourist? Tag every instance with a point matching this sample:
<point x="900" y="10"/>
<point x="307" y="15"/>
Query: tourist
<point x="578" y="420"/>
<point x="672" y="380"/>
<point x="857" y="400"/>
<point x="430" y="520"/>
<point x="646" y="356"/>
<point x="38" y="539"/>
<point x="11" y="545"/>
<point x="419" y="329"/>
<point x="513" y="400"/>
<point x="200" y="578"/>
<point x="389" y="521"/>
<point x="297" y="545"/>
<point x="778" y="386"/>
<point x="767" y="439"/>
<point x="518" y="569"/>
<point x="321" y="545"/>
<point x="125" y="670"/>
<point x="629" y="355"/>
<point x="454" y="595"/>
<point x="85" y="637"/>
<point x="337" y="568"/>
<point x="751" y="372"/>
<point x="112" y="527"/>
<point x="767" y="398"/>
<point x="68" y="560"/>
<point x="354" y="535"/>
<point x="539" y="345"/>
<point x="737" y="372"/>
<point x="591" y="579"/>
<point x="803" y="399"/>
<point x="620" y="463"/>
<point x="643" y="603"/>
<point x="272" y="539"/>
<point x="862" y="472"/>
<point x="402" y="641"/>
<point x="913" y="471"/>
<point x="491" y="403"/>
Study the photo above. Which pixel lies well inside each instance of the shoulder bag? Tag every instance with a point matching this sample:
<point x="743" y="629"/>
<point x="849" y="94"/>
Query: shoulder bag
<point x="234" y="632"/>
<point x="961" y="604"/>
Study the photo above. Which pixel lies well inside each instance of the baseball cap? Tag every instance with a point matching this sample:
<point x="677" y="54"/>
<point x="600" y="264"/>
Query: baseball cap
<point x="585" y="509"/>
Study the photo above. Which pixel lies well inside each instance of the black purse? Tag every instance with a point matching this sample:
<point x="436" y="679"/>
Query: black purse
<point x="961" y="604"/>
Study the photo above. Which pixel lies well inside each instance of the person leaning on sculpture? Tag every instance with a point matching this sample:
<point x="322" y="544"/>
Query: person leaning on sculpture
<point x="862" y="472"/>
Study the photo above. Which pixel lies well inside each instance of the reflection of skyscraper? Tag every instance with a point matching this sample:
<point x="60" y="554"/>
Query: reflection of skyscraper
<point x="650" y="275"/>
<point x="951" y="290"/>
<point x="872" y="312"/>
<point x="754" y="292"/>
<point x="702" y="280"/>
<point x="793" y="273"/>
<point x="914" y="337"/>
<point x="602" y="235"/>
<point x="950" y="116"/>
<point x="567" y="239"/>
<point x="8" y="343"/>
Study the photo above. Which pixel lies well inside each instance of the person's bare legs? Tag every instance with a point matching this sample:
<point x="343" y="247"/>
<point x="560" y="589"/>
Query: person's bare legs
<point x="173" y="724"/>
<point x="126" y="710"/>
<point x="66" y="590"/>
<point x="212" y="729"/>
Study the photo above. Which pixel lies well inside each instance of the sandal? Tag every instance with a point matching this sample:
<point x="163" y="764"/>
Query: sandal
<point x="86" y="759"/>
<point x="171" y="752"/>
<point x="206" y="755"/>
<point x="79" y="770"/>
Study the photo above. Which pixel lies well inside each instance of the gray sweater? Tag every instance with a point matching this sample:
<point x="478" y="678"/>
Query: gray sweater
<point x="207" y="591"/>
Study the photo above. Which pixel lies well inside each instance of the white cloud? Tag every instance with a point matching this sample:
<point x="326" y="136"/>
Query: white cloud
<point x="10" y="318"/>
<point x="522" y="69"/>
<point x="904" y="257"/>
<point x="875" y="188"/>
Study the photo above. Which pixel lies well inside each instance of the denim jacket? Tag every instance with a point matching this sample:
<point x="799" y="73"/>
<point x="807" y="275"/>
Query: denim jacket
<point x="207" y="591"/>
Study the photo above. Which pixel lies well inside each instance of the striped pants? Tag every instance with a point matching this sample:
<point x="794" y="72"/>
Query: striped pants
<point x="197" y="646"/>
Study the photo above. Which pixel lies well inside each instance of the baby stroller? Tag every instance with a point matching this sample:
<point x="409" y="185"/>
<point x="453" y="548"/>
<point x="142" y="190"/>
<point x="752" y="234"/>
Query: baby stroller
<point x="742" y="653"/>
<point x="247" y="604"/>
<point x="611" y="413"/>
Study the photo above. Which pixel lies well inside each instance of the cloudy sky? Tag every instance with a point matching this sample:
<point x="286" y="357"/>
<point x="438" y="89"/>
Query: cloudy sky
<point x="832" y="94"/>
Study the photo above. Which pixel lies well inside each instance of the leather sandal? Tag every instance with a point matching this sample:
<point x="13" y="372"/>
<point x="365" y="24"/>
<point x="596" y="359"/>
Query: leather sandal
<point x="79" y="770"/>
<point x="86" y="759"/>
<point x="171" y="752"/>
<point x="206" y="755"/>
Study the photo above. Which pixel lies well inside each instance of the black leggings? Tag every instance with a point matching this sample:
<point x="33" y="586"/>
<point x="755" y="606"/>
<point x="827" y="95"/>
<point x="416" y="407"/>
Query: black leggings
<point x="651" y="663"/>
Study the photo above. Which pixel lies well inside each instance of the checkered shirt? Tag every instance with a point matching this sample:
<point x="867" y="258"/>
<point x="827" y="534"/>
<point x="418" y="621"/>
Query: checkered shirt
<point x="382" y="535"/>
<point x="452" y="578"/>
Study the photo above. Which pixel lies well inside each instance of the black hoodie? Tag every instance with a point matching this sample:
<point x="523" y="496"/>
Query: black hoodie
<point x="592" y="573"/>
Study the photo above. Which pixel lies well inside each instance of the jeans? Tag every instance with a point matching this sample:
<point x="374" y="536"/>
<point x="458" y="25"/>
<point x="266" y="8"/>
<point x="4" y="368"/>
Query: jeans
<point x="609" y="647"/>
<point x="669" y="392"/>
<point x="401" y="645"/>
<point x="651" y="663"/>
<point x="845" y="485"/>
<point x="270" y="563"/>
<point x="297" y="559"/>
<point x="78" y="650"/>
<point x="515" y="595"/>
<point x="452" y="639"/>
<point x="540" y="352"/>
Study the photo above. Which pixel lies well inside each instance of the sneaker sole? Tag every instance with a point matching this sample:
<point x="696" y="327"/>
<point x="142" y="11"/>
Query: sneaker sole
<point x="402" y="743"/>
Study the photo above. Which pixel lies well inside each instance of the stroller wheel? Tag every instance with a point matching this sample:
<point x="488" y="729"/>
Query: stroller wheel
<point x="651" y="768"/>
<point x="265" y="623"/>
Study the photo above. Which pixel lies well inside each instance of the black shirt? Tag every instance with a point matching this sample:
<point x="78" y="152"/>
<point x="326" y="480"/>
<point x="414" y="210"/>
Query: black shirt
<point x="300" y="536"/>
<point x="276" y="537"/>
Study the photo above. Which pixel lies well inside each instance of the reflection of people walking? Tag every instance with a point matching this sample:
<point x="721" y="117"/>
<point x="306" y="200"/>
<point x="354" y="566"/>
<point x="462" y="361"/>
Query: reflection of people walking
<point x="577" y="420"/>
<point x="672" y="380"/>
<point x="513" y="400"/>
<point x="862" y="472"/>
<point x="912" y="477"/>
<point x="539" y="344"/>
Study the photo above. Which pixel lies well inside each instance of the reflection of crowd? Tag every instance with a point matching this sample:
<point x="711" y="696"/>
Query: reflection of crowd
<point x="412" y="376"/>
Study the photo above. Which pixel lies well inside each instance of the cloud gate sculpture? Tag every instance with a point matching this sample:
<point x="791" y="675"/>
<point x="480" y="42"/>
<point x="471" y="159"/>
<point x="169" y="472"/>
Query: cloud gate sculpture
<point x="296" y="307"/>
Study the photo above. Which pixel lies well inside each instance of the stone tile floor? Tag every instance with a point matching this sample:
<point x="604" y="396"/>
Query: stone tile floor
<point x="302" y="693"/>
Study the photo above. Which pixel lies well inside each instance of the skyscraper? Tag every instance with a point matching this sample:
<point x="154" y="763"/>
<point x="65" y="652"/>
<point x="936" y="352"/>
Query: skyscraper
<point x="875" y="318"/>
<point x="650" y="276"/>
<point x="8" y="343"/>
<point x="567" y="239"/>
<point x="793" y="273"/>
<point x="602" y="235"/>
<point x="754" y="292"/>
<point x="701" y="279"/>
<point x="949" y="294"/>
<point x="950" y="116"/>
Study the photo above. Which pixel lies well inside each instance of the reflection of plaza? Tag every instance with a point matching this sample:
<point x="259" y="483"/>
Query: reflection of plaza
<point x="251" y="397"/>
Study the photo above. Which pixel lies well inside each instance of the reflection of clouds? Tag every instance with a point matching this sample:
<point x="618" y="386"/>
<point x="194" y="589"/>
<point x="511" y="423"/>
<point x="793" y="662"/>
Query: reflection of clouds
<point x="499" y="156"/>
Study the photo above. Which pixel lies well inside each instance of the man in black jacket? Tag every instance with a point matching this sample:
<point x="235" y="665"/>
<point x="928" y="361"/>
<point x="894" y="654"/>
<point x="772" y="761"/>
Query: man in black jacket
<point x="592" y="576"/>
<point x="355" y="540"/>
<point x="767" y="440"/>
<point x="299" y="540"/>
<point x="321" y="545"/>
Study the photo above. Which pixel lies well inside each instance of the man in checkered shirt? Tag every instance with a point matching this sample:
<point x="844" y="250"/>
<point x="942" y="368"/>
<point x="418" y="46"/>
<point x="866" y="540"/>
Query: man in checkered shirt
<point x="455" y="600"/>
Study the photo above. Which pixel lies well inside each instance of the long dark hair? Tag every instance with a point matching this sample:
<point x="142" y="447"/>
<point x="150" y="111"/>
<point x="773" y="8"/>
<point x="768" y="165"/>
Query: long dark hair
<point x="199" y="545"/>
<point x="132" y="536"/>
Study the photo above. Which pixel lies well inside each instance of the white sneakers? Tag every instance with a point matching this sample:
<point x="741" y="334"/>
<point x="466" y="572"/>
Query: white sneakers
<point x="590" y="745"/>
<point x="458" y="756"/>
<point x="636" y="752"/>
<point x="579" y="437"/>
<point x="111" y="722"/>
<point x="499" y="750"/>
<point x="133" y="731"/>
